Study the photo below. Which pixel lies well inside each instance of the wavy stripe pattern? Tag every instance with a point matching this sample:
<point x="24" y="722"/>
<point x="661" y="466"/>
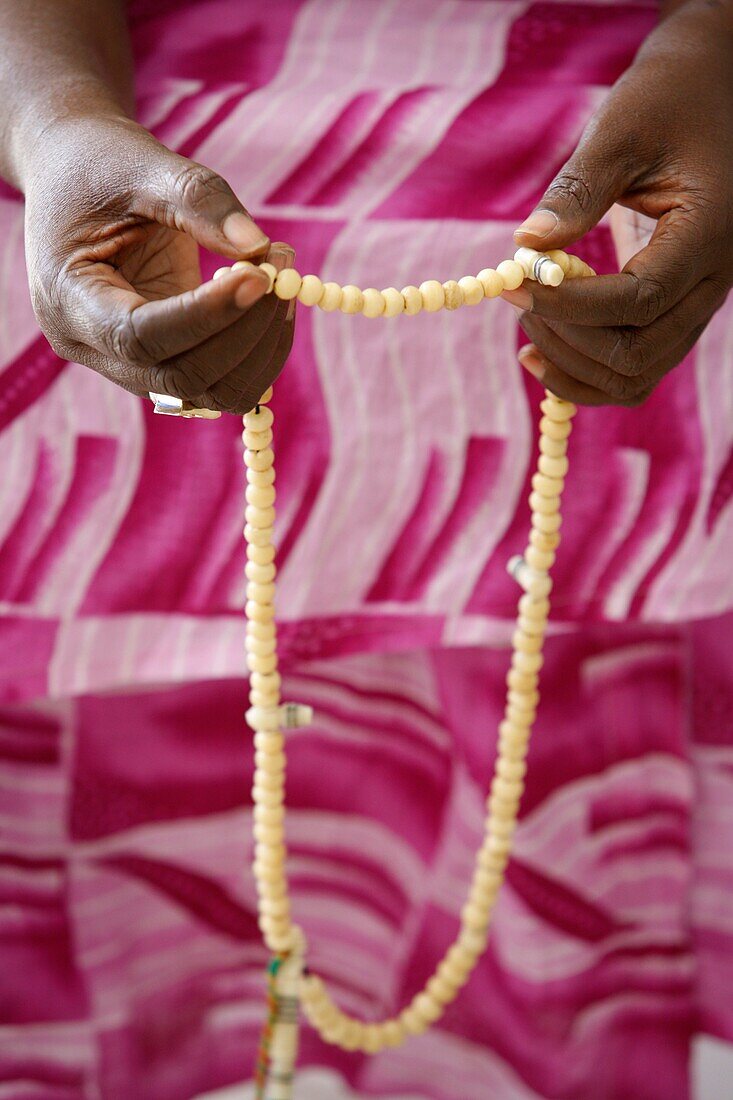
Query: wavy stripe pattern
<point x="383" y="139"/>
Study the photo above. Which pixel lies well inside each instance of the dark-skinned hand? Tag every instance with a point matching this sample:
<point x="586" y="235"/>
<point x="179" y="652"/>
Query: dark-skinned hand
<point x="662" y="145"/>
<point x="113" y="224"/>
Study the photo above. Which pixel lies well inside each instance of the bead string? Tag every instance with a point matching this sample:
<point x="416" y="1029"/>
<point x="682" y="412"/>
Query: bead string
<point x="548" y="268"/>
<point x="268" y="716"/>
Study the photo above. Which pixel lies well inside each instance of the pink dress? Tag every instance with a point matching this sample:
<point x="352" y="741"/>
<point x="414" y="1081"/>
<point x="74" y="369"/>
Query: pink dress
<point x="385" y="140"/>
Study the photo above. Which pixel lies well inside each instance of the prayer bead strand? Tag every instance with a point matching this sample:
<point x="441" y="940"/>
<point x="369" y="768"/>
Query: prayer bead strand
<point x="269" y="717"/>
<point x="548" y="268"/>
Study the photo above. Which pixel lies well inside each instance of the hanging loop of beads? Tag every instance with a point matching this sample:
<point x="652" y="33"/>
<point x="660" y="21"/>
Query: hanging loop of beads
<point x="269" y="717"/>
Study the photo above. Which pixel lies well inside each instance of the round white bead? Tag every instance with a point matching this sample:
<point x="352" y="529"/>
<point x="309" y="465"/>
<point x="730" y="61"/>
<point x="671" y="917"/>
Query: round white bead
<point x="311" y="289"/>
<point x="511" y="273"/>
<point x="287" y="283"/>
<point x="473" y="291"/>
<point x="491" y="281"/>
<point x="374" y="303"/>
<point x="330" y="298"/>
<point x="433" y="295"/>
<point x="412" y="299"/>
<point x="394" y="303"/>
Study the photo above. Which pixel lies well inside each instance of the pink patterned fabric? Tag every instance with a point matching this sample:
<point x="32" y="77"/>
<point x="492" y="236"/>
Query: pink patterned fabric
<point x="385" y="140"/>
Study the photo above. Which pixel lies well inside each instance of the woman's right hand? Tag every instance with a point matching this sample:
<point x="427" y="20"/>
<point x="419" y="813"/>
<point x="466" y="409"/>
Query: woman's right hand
<point x="113" y="224"/>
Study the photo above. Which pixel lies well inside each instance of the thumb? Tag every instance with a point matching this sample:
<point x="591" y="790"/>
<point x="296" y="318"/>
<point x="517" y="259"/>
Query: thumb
<point x="189" y="197"/>
<point x="578" y="197"/>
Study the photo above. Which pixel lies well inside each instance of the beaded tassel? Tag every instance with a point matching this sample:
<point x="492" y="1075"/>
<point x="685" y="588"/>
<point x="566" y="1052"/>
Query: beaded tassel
<point x="268" y="717"/>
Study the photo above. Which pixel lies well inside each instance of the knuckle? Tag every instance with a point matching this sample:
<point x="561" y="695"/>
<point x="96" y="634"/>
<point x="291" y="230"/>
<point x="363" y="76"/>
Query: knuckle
<point x="571" y="186"/>
<point x="123" y="341"/>
<point x="646" y="302"/>
<point x="630" y="353"/>
<point x="195" y="183"/>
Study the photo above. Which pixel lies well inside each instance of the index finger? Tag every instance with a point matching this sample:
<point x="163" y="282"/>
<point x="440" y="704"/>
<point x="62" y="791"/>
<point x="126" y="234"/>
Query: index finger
<point x="652" y="282"/>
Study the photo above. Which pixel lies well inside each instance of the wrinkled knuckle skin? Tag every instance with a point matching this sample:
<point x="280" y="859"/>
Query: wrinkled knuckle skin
<point x="569" y="185"/>
<point x="629" y="354"/>
<point x="647" y="302"/>
<point x="124" y="343"/>
<point x="196" y="185"/>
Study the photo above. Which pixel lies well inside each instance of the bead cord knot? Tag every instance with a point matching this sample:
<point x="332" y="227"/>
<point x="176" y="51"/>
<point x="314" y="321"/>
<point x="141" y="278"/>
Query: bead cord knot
<point x="291" y="982"/>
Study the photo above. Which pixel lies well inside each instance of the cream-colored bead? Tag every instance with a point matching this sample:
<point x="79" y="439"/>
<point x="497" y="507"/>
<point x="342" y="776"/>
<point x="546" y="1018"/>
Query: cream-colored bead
<point x="262" y="630"/>
<point x="547" y="505"/>
<point x="555" y="429"/>
<point x="258" y="536"/>
<point x="260" y="593"/>
<point x="523" y="681"/>
<point x="544" y="540"/>
<point x="474" y="940"/>
<point x="271" y="271"/>
<point x="474" y="916"/>
<point x="441" y="990"/>
<point x="526" y="643"/>
<point x="259" y="460"/>
<point x="538" y="559"/>
<point x="330" y="298"/>
<point x="534" y="608"/>
<point x="264" y="780"/>
<point x="269" y="834"/>
<point x="561" y="258"/>
<point x="260" y="496"/>
<point x="287" y="284"/>
<point x="531" y="626"/>
<point x="266" y="721"/>
<point x="269" y="855"/>
<point x="547" y="486"/>
<point x="394" y="1032"/>
<point x="261" y="477"/>
<point x="260" y="647"/>
<point x="554" y="448"/>
<point x="548" y="524"/>
<point x="311" y="289"/>
<point x="260" y="613"/>
<point x="261" y="664"/>
<point x="372" y="1039"/>
<point x="433" y="295"/>
<point x="221" y="272"/>
<point x="453" y="294"/>
<point x="272" y="763"/>
<point x="412" y="299"/>
<point x="473" y="291"/>
<point x="264" y="698"/>
<point x="259" y="517"/>
<point x="427" y="1007"/>
<point x="527" y="662"/>
<point x="270" y="682"/>
<point x="270" y="740"/>
<point x="413" y="1022"/>
<point x="352" y="299"/>
<point x="513" y="715"/>
<point x="373" y="302"/>
<point x="512" y="274"/>
<point x="263" y="555"/>
<point x="491" y="281"/>
<point x="553" y="466"/>
<point x="264" y="872"/>
<point x="258" y="420"/>
<point x="558" y="410"/>
<point x="267" y="796"/>
<point x="510" y="769"/>
<point x="394" y="303"/>
<point x="257" y="441"/>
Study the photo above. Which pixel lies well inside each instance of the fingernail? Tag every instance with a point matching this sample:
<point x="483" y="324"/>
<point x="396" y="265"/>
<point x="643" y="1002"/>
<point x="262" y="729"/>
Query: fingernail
<point x="531" y="361"/>
<point x="251" y="289"/>
<point x="244" y="234"/>
<point x="520" y="298"/>
<point x="539" y="224"/>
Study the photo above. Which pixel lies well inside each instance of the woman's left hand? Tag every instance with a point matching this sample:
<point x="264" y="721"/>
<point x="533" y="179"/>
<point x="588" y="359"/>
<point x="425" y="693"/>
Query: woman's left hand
<point x="660" y="144"/>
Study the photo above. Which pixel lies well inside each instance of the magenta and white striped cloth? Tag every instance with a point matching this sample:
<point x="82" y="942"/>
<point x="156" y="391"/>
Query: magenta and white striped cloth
<point x="384" y="140"/>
